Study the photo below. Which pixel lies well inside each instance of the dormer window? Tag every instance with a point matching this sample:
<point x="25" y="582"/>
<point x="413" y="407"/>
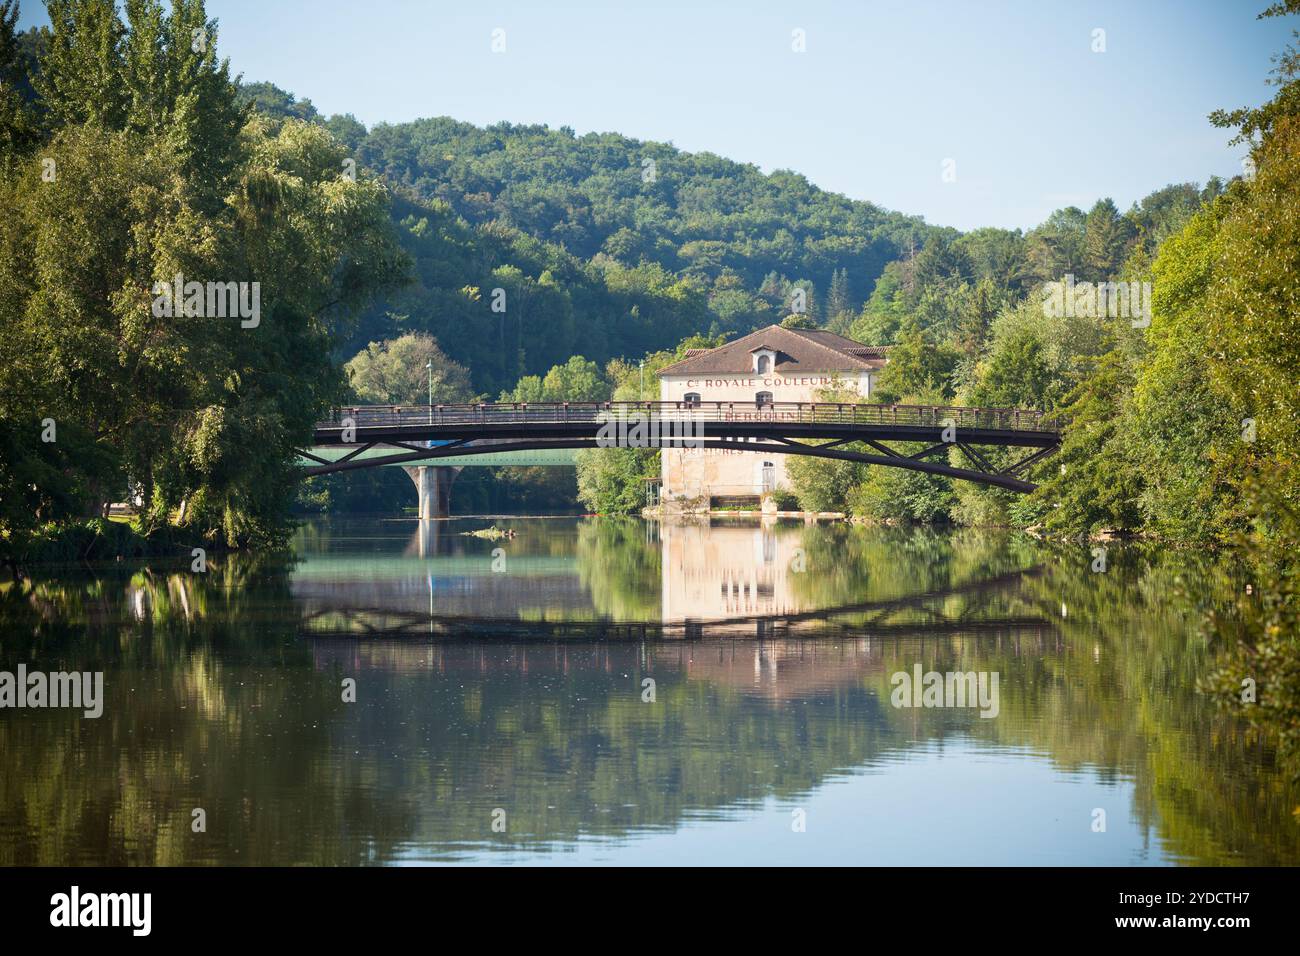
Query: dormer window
<point x="764" y="360"/>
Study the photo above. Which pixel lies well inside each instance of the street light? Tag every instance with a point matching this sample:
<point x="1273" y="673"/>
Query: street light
<point x="643" y="380"/>
<point x="429" y="367"/>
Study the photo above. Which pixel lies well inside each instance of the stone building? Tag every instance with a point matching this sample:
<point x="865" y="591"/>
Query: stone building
<point x="751" y="376"/>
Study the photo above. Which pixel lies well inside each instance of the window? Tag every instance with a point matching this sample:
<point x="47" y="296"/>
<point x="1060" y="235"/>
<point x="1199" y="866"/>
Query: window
<point x="692" y="399"/>
<point x="763" y="398"/>
<point x="764" y="365"/>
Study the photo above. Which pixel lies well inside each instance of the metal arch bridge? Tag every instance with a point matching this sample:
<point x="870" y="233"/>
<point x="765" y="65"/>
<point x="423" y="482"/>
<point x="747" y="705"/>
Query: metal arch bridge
<point x="371" y="435"/>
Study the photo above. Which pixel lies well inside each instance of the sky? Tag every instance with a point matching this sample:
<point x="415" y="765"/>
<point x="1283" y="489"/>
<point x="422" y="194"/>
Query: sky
<point x="1009" y="98"/>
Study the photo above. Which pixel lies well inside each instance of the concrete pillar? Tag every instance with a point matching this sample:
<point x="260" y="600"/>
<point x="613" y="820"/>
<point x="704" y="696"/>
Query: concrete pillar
<point x="433" y="484"/>
<point x="426" y="483"/>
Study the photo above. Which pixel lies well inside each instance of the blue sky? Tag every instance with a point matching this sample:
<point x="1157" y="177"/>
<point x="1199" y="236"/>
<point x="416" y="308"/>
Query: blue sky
<point x="885" y="92"/>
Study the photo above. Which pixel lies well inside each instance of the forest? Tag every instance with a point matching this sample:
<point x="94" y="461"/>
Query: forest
<point x="528" y="263"/>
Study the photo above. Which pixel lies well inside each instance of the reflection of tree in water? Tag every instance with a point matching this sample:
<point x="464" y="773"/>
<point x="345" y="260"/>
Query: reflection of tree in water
<point x="559" y="736"/>
<point x="1119" y="698"/>
<point x="215" y="699"/>
<point x="849" y="565"/>
<point x="211" y="700"/>
<point x="619" y="563"/>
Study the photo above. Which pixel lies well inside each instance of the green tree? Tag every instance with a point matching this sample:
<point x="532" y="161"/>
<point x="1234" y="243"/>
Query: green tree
<point x="614" y="480"/>
<point x="81" y="75"/>
<point x="1256" y="125"/>
<point x="1180" y="422"/>
<point x="1097" y="479"/>
<point x="153" y="179"/>
<point x="1106" y="236"/>
<point x="397" y="372"/>
<point x="917" y="364"/>
<point x="838" y="299"/>
<point x="577" y="380"/>
<point x="1250" y="319"/>
<point x="18" y="126"/>
<point x="824" y="484"/>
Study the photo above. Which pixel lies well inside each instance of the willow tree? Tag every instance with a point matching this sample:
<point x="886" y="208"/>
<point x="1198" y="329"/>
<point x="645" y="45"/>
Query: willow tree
<point x="150" y="174"/>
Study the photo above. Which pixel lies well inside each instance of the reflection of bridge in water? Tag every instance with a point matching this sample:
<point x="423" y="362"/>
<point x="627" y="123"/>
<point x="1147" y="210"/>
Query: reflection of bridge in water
<point x="713" y="581"/>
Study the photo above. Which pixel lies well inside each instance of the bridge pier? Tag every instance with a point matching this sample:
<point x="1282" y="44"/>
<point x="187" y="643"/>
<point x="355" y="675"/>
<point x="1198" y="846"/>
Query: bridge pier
<point x="433" y="485"/>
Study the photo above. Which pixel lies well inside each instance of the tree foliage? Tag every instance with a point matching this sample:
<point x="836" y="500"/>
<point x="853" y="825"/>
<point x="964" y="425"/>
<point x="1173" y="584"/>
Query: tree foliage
<point x="408" y="370"/>
<point x="148" y="169"/>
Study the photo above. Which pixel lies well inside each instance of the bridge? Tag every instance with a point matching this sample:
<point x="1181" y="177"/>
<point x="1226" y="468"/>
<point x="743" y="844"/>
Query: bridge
<point x="433" y="441"/>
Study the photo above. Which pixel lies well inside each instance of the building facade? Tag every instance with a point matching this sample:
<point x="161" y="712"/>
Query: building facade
<point x="750" y="376"/>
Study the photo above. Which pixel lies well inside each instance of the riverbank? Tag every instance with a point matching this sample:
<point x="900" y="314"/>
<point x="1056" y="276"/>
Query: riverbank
<point x="98" y="540"/>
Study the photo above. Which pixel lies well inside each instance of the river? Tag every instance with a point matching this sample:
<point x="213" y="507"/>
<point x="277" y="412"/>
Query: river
<point x="600" y="690"/>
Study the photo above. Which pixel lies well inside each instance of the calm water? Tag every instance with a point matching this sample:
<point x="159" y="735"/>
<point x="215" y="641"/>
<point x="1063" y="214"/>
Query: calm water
<point x="501" y="710"/>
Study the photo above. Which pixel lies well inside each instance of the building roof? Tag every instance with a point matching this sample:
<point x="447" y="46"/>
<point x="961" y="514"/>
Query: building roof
<point x="797" y="350"/>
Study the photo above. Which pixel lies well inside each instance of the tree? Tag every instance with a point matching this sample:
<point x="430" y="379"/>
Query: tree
<point x="528" y="389"/>
<point x="201" y="410"/>
<point x="916" y="364"/>
<point x="824" y="484"/>
<point x="1106" y="235"/>
<point x="18" y="127"/>
<point x="270" y="100"/>
<point x="347" y="129"/>
<point x="838" y="299"/>
<point x="1057" y="247"/>
<point x="81" y="75"/>
<point x="1250" y="319"/>
<point x="614" y="480"/>
<point x="998" y="256"/>
<point x="1097" y="482"/>
<point x="396" y="372"/>
<point x="577" y="380"/>
<point x="1017" y="374"/>
<point x="1167" y="437"/>
<point x="942" y="263"/>
<point x="1256" y="125"/>
<point x="1182" y="423"/>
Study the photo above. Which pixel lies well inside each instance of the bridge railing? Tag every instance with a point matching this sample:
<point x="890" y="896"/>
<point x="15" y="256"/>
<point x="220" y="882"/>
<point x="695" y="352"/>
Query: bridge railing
<point x="380" y="416"/>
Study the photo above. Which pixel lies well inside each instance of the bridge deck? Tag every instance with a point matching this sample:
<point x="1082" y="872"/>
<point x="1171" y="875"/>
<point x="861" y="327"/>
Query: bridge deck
<point x="563" y="419"/>
<point x="773" y="428"/>
<point x="557" y="457"/>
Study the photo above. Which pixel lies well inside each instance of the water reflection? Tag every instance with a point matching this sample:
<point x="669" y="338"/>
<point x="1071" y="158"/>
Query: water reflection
<point x="615" y="578"/>
<point x="481" y="690"/>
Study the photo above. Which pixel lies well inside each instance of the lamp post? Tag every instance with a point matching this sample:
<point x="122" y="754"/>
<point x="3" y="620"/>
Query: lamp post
<point x="643" y="380"/>
<point x="429" y="368"/>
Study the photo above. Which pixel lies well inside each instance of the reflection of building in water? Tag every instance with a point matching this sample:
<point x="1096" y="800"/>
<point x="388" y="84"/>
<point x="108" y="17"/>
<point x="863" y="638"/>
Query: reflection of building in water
<point x="719" y="572"/>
